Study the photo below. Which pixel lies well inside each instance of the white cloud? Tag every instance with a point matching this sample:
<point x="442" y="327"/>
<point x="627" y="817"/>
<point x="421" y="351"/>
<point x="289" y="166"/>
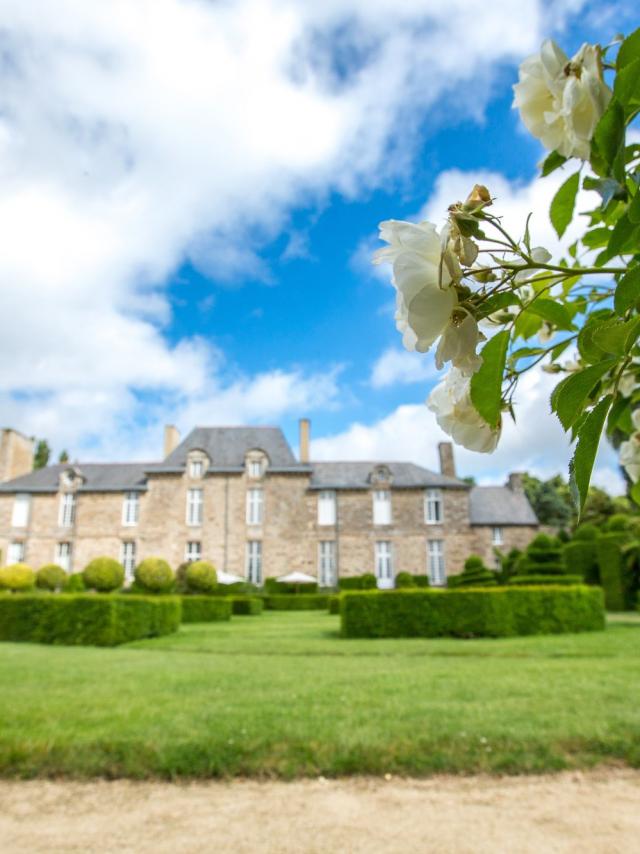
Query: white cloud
<point x="400" y="367"/>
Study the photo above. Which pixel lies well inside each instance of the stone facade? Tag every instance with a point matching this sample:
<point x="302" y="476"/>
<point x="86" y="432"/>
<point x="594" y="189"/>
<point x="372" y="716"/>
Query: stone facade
<point x="286" y="523"/>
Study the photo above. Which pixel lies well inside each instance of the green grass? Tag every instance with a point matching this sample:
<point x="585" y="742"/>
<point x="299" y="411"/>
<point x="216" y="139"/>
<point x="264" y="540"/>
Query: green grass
<point x="282" y="695"/>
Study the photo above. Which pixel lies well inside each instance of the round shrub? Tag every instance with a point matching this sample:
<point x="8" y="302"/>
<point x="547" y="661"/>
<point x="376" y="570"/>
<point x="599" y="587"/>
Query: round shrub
<point x="103" y="574"/>
<point x="51" y="577"/>
<point x="154" y="575"/>
<point x="201" y="577"/>
<point x="405" y="579"/>
<point x="618" y="522"/>
<point x="74" y="583"/>
<point x="17" y="577"/>
<point x="588" y="531"/>
<point x="369" y="581"/>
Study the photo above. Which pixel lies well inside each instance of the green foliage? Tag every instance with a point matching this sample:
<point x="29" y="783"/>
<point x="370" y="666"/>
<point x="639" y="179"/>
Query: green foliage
<point x="584" y="457"/>
<point x="580" y="558"/>
<point x="619" y="585"/>
<point x="474" y="574"/>
<point x="499" y="612"/>
<point x="284" y="588"/>
<point x="563" y="203"/>
<point x="86" y="619"/>
<point x="74" y="583"/>
<point x="154" y="575"/>
<point x="538" y="580"/>
<point x="617" y="522"/>
<point x="238" y="588"/>
<point x="586" y="532"/>
<point x="334" y="603"/>
<point x="487" y="381"/>
<point x="249" y="606"/>
<point x="542" y="558"/>
<point x="366" y="581"/>
<point x="201" y="577"/>
<point x="550" y="499"/>
<point x="404" y="579"/>
<point x="41" y="454"/>
<point x="103" y="574"/>
<point x="508" y="564"/>
<point x="17" y="577"/>
<point x="51" y="577"/>
<point x="205" y="609"/>
<point x="297" y="602"/>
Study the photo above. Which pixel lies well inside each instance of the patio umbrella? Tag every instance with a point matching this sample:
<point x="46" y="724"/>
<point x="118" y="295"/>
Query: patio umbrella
<point x="228" y="578"/>
<point x="296" y="578"/>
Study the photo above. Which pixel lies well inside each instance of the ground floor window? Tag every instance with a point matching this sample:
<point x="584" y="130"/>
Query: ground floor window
<point x="327" y="564"/>
<point x="128" y="558"/>
<point x="63" y="556"/>
<point x="193" y="552"/>
<point x="384" y="564"/>
<point x="254" y="562"/>
<point x="497" y="538"/>
<point x="15" y="552"/>
<point x="435" y="562"/>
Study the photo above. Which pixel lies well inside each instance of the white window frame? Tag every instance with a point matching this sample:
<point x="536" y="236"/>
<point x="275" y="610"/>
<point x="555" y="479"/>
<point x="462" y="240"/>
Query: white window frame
<point x="255" y="506"/>
<point x="497" y="536"/>
<point x="130" y="509"/>
<point x="15" y="552"/>
<point x="382" y="507"/>
<point x="327" y="507"/>
<point x="384" y="563"/>
<point x="64" y="556"/>
<point x="196" y="469"/>
<point x="195" y="504"/>
<point x="255" y="468"/>
<point x="254" y="562"/>
<point x="21" y="510"/>
<point x="327" y="563"/>
<point x="436" y="565"/>
<point x="128" y="557"/>
<point x="193" y="551"/>
<point x="433" y="507"/>
<point x="67" y="514"/>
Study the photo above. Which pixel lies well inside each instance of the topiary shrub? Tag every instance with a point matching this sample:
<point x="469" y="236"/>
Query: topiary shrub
<point x="508" y="565"/>
<point x="586" y="531"/>
<point x="474" y="574"/>
<point x="51" y="577"/>
<point x="580" y="557"/>
<point x="154" y="575"/>
<point x="74" y="583"/>
<point x="537" y="580"/>
<point x="542" y="558"/>
<point x="366" y="581"/>
<point x="206" y="609"/>
<point x="247" y="606"/>
<point x="201" y="577"/>
<point x="103" y="574"/>
<point x="618" y="592"/>
<point x="405" y="579"/>
<point x="617" y="522"/>
<point x="18" y="577"/>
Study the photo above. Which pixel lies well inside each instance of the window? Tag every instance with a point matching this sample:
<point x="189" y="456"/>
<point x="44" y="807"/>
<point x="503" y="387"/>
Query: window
<point x="255" y="468"/>
<point x="193" y="552"/>
<point x="254" y="507"/>
<point x="196" y="469"/>
<point x="327" y="564"/>
<point x="381" y="507"/>
<point x="327" y="507"/>
<point x="435" y="562"/>
<point x="128" y="557"/>
<point x="20" y="516"/>
<point x="254" y="562"/>
<point x="63" y="556"/>
<point x="384" y="567"/>
<point x="15" y="553"/>
<point x="130" y="508"/>
<point x="433" y="507"/>
<point x="67" y="510"/>
<point x="194" y="507"/>
<point x="496" y="536"/>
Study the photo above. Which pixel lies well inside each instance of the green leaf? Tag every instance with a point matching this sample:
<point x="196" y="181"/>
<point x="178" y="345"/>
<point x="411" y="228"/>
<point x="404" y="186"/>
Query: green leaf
<point x="629" y="50"/>
<point x="551" y="163"/>
<point x="628" y="291"/>
<point x="587" y="347"/>
<point x="581" y="465"/>
<point x="622" y="237"/>
<point x="486" y="383"/>
<point x="596" y="238"/>
<point x="608" y="188"/>
<point x="496" y="302"/>
<point x="617" y="336"/>
<point x="626" y="87"/>
<point x="633" y="211"/>
<point x="635" y="492"/>
<point x="561" y="210"/>
<point x="551" y="311"/>
<point x="570" y="396"/>
<point x="607" y="145"/>
<point x="559" y="349"/>
<point x="527" y="325"/>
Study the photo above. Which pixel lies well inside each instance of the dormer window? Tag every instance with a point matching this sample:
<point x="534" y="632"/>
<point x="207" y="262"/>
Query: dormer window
<point x="197" y="464"/>
<point x="196" y="469"/>
<point x="255" y="468"/>
<point x="380" y="474"/>
<point x="256" y="464"/>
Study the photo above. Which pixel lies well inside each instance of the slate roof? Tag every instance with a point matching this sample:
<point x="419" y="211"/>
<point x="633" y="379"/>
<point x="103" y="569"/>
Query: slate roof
<point x="99" y="477"/>
<point x="350" y="475"/>
<point x="226" y="448"/>
<point x="499" y="505"/>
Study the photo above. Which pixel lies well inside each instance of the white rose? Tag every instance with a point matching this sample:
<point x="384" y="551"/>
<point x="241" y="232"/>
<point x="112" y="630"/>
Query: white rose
<point x="457" y="250"/>
<point x="458" y="345"/>
<point x="561" y="100"/>
<point x="425" y="297"/>
<point x="630" y="456"/>
<point x="627" y="385"/>
<point x="457" y="416"/>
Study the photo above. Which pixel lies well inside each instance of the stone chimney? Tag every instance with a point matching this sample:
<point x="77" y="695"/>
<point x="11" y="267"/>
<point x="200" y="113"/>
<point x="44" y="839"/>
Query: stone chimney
<point x="171" y="439"/>
<point x="16" y="454"/>
<point x="447" y="462"/>
<point x="304" y="430"/>
<point x="514" y="482"/>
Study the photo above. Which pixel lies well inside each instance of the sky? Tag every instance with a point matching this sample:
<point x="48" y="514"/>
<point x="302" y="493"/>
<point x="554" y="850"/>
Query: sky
<point x="190" y="195"/>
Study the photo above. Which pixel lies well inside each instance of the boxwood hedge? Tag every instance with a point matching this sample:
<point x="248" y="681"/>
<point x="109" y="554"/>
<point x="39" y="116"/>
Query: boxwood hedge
<point x="297" y="602"/>
<point x="248" y="606"/>
<point x="205" y="609"/>
<point x="86" y="619"/>
<point x="334" y="604"/>
<point x="488" y="612"/>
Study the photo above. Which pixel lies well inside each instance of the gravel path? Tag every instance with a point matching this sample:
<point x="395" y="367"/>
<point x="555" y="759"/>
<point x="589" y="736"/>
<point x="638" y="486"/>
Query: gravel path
<point x="590" y="812"/>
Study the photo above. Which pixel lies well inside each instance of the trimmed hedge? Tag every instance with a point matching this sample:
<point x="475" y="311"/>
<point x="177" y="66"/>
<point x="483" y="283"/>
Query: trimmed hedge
<point x="612" y="571"/>
<point x="51" y="577"/>
<point x="103" y="574"/>
<point x="297" y="602"/>
<point x="366" y="581"/>
<point x="205" y="609"/>
<point x="86" y="619"/>
<point x="74" y="583"/>
<point x="154" y="575"/>
<point x="273" y="587"/>
<point x="537" y="580"/>
<point x="334" y="604"/>
<point x="474" y="574"/>
<point x="490" y="612"/>
<point x="18" y="577"/>
<point x="580" y="557"/>
<point x="249" y="606"/>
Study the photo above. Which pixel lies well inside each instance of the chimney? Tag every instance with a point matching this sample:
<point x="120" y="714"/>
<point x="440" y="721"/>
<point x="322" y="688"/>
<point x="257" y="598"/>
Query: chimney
<point x="447" y="462"/>
<point x="171" y="439"/>
<point x="514" y="482"/>
<point x="304" y="428"/>
<point x="16" y="454"/>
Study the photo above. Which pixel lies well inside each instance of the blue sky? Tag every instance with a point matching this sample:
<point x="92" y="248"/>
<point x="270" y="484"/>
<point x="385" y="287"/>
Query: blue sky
<point x="193" y="192"/>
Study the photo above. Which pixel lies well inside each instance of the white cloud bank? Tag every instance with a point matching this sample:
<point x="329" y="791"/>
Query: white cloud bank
<point x="137" y="133"/>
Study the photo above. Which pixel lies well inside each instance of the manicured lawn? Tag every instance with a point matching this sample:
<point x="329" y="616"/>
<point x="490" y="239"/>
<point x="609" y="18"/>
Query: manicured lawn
<point x="282" y="695"/>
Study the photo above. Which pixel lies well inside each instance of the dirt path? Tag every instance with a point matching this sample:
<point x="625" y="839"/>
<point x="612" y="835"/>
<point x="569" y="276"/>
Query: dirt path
<point x="574" y="812"/>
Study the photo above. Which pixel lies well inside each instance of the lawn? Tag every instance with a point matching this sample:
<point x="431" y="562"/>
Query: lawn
<point x="282" y="695"/>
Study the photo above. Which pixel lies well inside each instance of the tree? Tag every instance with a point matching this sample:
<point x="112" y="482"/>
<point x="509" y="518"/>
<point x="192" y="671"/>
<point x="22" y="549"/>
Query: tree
<point x="550" y="500"/>
<point x="42" y="454"/>
<point x="64" y="457"/>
